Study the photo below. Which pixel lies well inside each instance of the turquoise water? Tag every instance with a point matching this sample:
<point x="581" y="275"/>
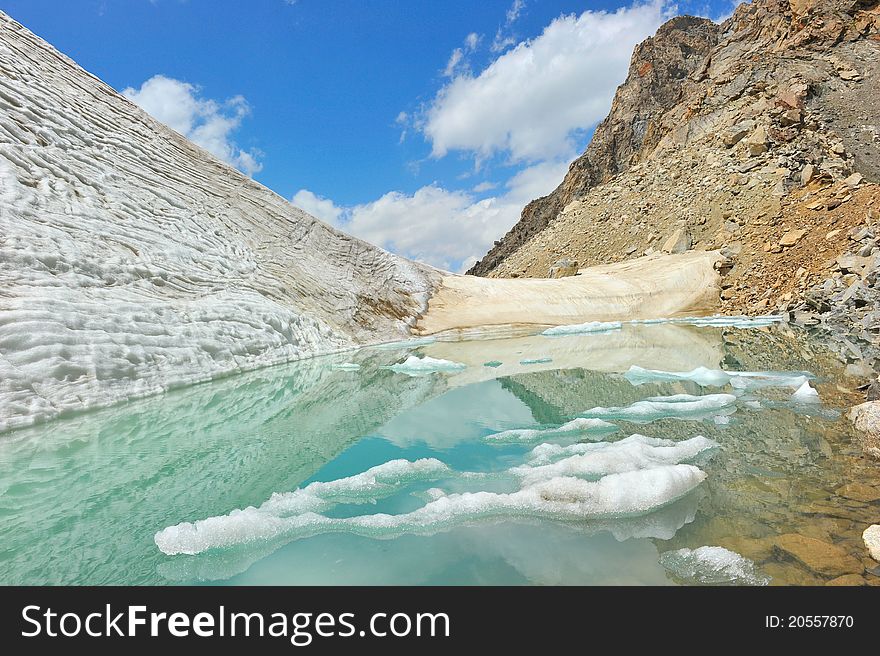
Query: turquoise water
<point x="82" y="499"/>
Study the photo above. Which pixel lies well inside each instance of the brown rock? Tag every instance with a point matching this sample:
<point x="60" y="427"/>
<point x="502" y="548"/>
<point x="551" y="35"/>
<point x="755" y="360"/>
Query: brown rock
<point x="848" y="580"/>
<point x="792" y="237"/>
<point x="819" y="556"/>
<point x="859" y="492"/>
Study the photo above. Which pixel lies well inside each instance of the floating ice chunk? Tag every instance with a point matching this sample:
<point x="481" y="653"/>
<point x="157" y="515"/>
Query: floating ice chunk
<point x="677" y="406"/>
<point x="492" y="363"/>
<point x="536" y="360"/>
<point x="595" y="460"/>
<point x="346" y="366"/>
<point x="712" y="566"/>
<point x="700" y="375"/>
<point x="416" y="366"/>
<point x="583" y="328"/>
<point x="617" y="495"/>
<point x="805" y="394"/>
<point x="574" y="427"/>
<point x="718" y="378"/>
<point x="628" y="494"/>
<point x="270" y="519"/>
<point x="721" y="420"/>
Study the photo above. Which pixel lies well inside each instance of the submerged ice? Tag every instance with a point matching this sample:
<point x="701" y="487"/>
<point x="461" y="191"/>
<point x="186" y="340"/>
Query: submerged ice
<point x="676" y="406"/>
<point x="630" y="478"/>
<point x="576" y="426"/>
<point x="719" y="378"/>
<point x="712" y="566"/>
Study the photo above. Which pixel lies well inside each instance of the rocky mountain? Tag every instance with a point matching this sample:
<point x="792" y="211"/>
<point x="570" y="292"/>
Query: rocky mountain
<point x="132" y="261"/>
<point x="779" y="79"/>
<point x="759" y="137"/>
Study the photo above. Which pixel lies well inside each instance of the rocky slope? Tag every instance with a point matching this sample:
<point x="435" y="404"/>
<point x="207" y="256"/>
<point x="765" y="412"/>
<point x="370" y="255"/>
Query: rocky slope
<point x="132" y="261"/>
<point x="759" y="137"/>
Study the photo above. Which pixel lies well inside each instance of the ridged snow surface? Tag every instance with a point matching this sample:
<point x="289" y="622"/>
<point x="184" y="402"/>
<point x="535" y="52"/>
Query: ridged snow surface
<point x="132" y="261"/>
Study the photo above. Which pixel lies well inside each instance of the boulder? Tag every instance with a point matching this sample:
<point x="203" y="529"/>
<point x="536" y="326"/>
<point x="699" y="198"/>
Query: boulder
<point x="757" y="142"/>
<point x="871" y="536"/>
<point x="563" y="268"/>
<point x="792" y="237"/>
<point x="735" y="133"/>
<point x="678" y="242"/>
<point x="807" y="174"/>
<point x="866" y="419"/>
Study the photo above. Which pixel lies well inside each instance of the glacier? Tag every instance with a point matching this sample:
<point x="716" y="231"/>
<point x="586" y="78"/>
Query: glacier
<point x="133" y="262"/>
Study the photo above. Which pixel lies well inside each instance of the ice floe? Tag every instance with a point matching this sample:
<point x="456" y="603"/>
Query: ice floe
<point x="599" y="459"/>
<point x="719" y="378"/>
<point x="654" y="478"/>
<point x="416" y="366"/>
<point x="574" y="427"/>
<point x="712" y="566"/>
<point x="583" y="328"/>
<point x="805" y="394"/>
<point x="536" y="360"/>
<point x="676" y="406"/>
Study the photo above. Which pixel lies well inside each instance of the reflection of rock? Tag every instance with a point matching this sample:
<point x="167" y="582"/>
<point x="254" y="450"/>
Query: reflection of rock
<point x="667" y="346"/>
<point x="866" y="419"/>
<point x="871" y="536"/>
<point x="817" y="555"/>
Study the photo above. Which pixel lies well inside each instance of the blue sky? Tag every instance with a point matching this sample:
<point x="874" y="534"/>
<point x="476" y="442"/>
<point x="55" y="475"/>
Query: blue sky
<point x="421" y="126"/>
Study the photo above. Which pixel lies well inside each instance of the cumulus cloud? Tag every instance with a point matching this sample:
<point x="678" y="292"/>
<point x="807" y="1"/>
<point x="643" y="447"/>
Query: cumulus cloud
<point x="203" y="121"/>
<point x="532" y="100"/>
<point x="448" y="229"/>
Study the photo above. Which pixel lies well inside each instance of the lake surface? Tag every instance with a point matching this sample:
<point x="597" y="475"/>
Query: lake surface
<point x="91" y="499"/>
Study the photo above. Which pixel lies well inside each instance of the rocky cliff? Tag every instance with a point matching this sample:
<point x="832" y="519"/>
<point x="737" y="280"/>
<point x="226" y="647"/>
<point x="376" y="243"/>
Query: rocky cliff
<point x="759" y="137"/>
<point x="765" y="67"/>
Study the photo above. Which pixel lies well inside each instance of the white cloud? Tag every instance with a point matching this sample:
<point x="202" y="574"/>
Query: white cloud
<point x="458" y="59"/>
<point x="530" y="100"/>
<point x="317" y="206"/>
<point x="448" y="229"/>
<point x="205" y="122"/>
<point x="503" y="39"/>
<point x="484" y="186"/>
<point x="515" y="10"/>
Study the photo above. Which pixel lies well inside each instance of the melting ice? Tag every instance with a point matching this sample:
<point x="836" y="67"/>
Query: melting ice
<point x="416" y="366"/>
<point x="676" y="406"/>
<point x="712" y="566"/>
<point x="630" y="478"/>
<point x="719" y="378"/>
<point x="577" y="426"/>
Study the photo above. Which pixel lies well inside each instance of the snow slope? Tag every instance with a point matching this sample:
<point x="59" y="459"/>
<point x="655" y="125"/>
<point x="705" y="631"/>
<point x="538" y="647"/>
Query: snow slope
<point x="132" y="261"/>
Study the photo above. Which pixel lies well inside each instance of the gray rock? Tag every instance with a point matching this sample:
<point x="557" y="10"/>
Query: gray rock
<point x="678" y="242"/>
<point x="563" y="268"/>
